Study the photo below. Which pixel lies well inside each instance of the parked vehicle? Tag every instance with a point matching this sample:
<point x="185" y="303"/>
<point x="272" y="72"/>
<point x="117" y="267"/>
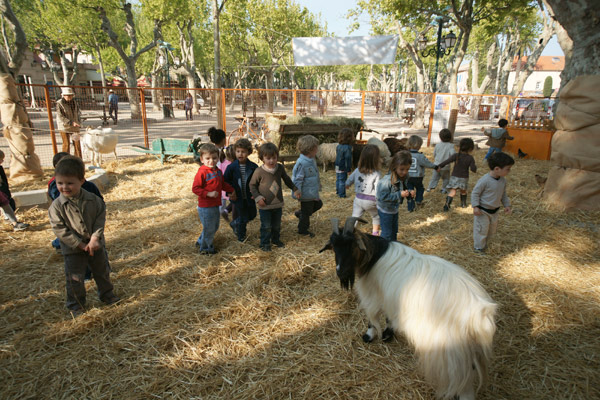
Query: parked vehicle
<point x="520" y="105"/>
<point x="410" y="103"/>
<point x="538" y="110"/>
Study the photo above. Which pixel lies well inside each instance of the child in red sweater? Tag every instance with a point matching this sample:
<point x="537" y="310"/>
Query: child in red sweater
<point x="208" y="185"/>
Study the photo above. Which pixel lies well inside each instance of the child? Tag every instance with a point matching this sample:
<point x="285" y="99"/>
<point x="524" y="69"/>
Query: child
<point x="238" y="175"/>
<point x="208" y="184"/>
<point x="365" y="179"/>
<point x="463" y="161"/>
<point x="6" y="201"/>
<point x="53" y="193"/>
<point x="219" y="139"/>
<point x="265" y="186"/>
<point x="416" y="173"/>
<point x="225" y="208"/>
<point x="488" y="195"/>
<point x="497" y="137"/>
<point x="343" y="160"/>
<point x="305" y="176"/>
<point x="441" y="153"/>
<point x="77" y="218"/>
<point x="391" y="190"/>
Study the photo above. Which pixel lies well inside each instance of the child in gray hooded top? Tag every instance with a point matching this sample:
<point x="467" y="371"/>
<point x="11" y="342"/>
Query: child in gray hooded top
<point x="488" y="195"/>
<point x="416" y="173"/>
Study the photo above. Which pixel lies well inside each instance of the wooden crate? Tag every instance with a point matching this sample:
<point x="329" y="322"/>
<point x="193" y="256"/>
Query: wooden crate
<point x="537" y="144"/>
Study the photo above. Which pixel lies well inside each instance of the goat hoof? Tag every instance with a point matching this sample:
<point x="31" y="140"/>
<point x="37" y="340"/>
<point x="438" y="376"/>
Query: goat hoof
<point x="367" y="338"/>
<point x="387" y="335"/>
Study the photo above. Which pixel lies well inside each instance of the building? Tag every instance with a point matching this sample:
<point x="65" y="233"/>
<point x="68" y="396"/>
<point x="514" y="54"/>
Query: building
<point x="534" y="85"/>
<point x="35" y="69"/>
<point x="546" y="66"/>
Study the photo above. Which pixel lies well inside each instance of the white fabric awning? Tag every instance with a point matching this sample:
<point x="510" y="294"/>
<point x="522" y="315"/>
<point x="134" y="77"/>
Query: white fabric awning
<point x="350" y="50"/>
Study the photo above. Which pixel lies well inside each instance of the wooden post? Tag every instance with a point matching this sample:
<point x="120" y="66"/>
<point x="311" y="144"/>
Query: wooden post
<point x="294" y="102"/>
<point x="223" y="114"/>
<point x="508" y="108"/>
<point x="50" y="119"/>
<point x="144" y="119"/>
<point x="362" y="109"/>
<point x="431" y="120"/>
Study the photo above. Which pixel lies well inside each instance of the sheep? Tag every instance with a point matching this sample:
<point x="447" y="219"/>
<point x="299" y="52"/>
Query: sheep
<point x="100" y="141"/>
<point x="326" y="154"/>
<point x="384" y="152"/>
<point x="395" y="145"/>
<point x="443" y="311"/>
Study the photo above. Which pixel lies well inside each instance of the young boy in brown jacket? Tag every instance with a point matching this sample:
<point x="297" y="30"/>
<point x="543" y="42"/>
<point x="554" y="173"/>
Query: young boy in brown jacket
<point x="77" y="218"/>
<point x="265" y="186"/>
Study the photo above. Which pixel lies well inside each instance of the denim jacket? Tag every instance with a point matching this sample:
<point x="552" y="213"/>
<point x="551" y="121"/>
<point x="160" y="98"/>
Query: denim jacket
<point x="389" y="196"/>
<point x="343" y="159"/>
<point x="305" y="176"/>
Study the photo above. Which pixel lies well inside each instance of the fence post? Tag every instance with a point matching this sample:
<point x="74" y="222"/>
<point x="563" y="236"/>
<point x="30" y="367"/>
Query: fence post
<point x="294" y="91"/>
<point x="223" y="114"/>
<point x="50" y="119"/>
<point x="508" y="108"/>
<point x="431" y="119"/>
<point x="144" y="119"/>
<point x="362" y="109"/>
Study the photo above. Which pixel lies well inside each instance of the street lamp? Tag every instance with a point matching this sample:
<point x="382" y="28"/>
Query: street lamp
<point x="442" y="47"/>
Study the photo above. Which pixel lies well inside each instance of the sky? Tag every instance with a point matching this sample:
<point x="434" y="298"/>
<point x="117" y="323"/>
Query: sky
<point x="334" y="13"/>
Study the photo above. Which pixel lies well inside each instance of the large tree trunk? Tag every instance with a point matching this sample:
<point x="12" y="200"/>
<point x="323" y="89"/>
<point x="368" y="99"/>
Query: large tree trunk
<point x="10" y="62"/>
<point x="217" y="53"/>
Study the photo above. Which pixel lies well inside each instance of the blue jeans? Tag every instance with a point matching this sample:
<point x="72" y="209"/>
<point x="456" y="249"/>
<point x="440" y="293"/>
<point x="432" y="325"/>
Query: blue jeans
<point x="389" y="225"/>
<point x="210" y="217"/>
<point x="491" y="151"/>
<point x="340" y="184"/>
<point x="417" y="184"/>
<point x="270" y="226"/>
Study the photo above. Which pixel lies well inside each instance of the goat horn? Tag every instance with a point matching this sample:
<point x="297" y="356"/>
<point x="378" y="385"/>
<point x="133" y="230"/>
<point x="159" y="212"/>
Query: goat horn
<point x="335" y="225"/>
<point x="350" y="222"/>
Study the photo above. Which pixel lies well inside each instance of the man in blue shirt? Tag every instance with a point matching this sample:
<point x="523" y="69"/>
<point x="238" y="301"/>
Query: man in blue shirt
<point x="113" y="104"/>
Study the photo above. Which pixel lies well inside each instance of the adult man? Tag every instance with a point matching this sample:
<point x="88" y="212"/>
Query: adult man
<point x="113" y="105"/>
<point x="69" y="121"/>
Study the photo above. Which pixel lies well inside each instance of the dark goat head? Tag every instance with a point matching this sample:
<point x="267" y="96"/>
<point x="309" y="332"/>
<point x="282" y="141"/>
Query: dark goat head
<point x="343" y="245"/>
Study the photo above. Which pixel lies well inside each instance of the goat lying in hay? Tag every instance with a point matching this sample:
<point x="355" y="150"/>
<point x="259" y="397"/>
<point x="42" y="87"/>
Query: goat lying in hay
<point x="442" y="310"/>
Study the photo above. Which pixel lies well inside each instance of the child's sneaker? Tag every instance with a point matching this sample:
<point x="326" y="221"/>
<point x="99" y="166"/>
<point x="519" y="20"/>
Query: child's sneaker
<point x="20" y="226"/>
<point x="376" y="233"/>
<point x="265" y="248"/>
<point x="428" y="190"/>
<point x="307" y="233"/>
<point x="111" y="299"/>
<point x="479" y="251"/>
<point x="278" y="243"/>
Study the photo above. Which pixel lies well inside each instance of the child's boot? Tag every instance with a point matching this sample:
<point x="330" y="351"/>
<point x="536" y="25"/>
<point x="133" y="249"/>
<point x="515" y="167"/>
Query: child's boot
<point x="463" y="200"/>
<point x="448" y="202"/>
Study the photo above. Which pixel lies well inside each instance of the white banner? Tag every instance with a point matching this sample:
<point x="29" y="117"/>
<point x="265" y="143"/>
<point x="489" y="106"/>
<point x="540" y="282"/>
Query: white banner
<point x="350" y="50"/>
<point x="441" y="116"/>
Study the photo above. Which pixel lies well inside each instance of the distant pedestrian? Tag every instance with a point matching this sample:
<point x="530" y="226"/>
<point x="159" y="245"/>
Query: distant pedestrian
<point x="113" y="105"/>
<point x="189" y="105"/>
<point x="69" y="121"/>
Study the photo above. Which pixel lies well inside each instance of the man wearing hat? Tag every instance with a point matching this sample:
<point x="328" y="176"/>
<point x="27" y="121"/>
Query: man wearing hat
<point x="69" y="121"/>
<point x="113" y="104"/>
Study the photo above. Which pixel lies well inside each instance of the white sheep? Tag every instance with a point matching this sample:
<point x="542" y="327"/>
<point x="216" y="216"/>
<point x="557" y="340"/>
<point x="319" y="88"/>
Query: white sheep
<point x="326" y="154"/>
<point x="384" y="151"/>
<point x="100" y="141"/>
<point x="442" y="310"/>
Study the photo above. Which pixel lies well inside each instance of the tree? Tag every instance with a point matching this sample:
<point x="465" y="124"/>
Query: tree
<point x="128" y="59"/>
<point x="15" y="43"/>
<point x="547" y="87"/>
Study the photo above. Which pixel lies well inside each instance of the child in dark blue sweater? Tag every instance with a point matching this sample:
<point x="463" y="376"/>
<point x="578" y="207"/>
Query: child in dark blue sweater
<point x="343" y="160"/>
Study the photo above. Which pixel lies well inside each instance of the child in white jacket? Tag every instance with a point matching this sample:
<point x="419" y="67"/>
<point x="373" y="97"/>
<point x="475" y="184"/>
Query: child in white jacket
<point x="365" y="179"/>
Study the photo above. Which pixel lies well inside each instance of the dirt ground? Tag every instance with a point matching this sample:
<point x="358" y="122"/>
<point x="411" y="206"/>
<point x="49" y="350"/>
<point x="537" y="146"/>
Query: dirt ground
<point x="248" y="324"/>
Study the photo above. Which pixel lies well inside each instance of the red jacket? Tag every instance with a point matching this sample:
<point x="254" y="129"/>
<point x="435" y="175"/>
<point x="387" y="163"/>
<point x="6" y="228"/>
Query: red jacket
<point x="209" y="180"/>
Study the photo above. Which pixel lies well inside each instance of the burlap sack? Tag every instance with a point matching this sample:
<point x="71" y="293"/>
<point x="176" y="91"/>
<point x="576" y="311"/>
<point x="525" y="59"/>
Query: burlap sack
<point x="574" y="182"/>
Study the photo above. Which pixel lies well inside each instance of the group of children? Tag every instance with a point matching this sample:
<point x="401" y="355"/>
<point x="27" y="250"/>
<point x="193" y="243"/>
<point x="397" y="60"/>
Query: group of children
<point x="77" y="214"/>
<point x="250" y="186"/>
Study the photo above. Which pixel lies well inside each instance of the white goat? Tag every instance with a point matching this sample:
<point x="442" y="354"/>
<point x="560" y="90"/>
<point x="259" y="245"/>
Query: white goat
<point x="442" y="310"/>
<point x="100" y="141"/>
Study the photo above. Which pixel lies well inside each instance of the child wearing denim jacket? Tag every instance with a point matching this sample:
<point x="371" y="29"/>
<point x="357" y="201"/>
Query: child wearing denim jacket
<point x="265" y="186"/>
<point x="416" y="173"/>
<point x="391" y="190"/>
<point x="343" y="160"/>
<point x="305" y="177"/>
<point x="238" y="175"/>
